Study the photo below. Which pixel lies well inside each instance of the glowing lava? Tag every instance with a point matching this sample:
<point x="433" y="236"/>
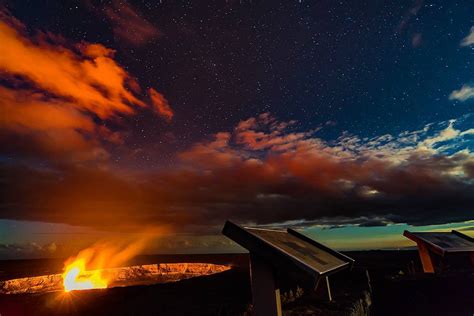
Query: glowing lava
<point x="76" y="277"/>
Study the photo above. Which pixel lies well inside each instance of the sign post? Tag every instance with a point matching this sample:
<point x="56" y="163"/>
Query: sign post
<point x="265" y="291"/>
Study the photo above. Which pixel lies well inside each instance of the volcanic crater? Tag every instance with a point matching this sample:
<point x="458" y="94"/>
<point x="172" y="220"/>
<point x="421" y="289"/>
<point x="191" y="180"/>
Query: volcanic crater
<point x="116" y="277"/>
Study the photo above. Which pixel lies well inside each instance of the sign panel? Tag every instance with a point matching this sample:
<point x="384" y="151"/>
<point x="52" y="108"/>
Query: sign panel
<point x="317" y="258"/>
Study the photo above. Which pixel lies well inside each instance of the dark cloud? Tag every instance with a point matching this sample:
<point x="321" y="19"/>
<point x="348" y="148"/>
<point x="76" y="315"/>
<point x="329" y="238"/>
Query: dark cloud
<point x="261" y="173"/>
<point x="373" y="223"/>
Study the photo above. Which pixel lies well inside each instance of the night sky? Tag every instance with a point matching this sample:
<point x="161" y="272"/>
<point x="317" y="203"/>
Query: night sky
<point x="346" y="119"/>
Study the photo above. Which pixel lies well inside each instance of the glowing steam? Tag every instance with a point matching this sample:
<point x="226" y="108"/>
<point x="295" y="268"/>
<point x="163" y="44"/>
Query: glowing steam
<point x="86" y="270"/>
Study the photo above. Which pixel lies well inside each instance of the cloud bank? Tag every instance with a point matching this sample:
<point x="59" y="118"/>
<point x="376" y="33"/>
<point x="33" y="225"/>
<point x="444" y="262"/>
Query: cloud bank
<point x="265" y="172"/>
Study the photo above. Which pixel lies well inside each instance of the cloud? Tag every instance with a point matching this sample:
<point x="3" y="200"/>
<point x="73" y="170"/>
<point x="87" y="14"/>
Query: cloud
<point x="389" y="177"/>
<point x="258" y="175"/>
<point x="466" y="92"/>
<point x="160" y="104"/>
<point x="264" y="172"/>
<point x="468" y="40"/>
<point x="51" y="128"/>
<point x="60" y="95"/>
<point x="409" y="15"/>
<point x="128" y="24"/>
<point x="86" y="73"/>
<point x="30" y="250"/>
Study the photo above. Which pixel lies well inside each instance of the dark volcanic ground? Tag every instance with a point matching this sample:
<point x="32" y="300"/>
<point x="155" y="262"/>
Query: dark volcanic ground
<point x="395" y="291"/>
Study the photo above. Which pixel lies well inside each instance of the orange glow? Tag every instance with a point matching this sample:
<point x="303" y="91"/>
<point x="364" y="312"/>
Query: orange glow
<point x="76" y="277"/>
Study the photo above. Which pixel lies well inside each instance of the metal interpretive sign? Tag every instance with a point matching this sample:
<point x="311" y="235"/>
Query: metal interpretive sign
<point x="440" y="244"/>
<point x="271" y="250"/>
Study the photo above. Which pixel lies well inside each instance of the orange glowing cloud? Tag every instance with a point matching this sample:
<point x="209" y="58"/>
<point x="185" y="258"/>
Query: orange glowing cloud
<point x="55" y="89"/>
<point x="58" y="130"/>
<point x="160" y="104"/>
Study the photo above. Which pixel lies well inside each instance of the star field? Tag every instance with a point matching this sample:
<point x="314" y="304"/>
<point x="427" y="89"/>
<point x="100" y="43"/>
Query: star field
<point x="371" y="68"/>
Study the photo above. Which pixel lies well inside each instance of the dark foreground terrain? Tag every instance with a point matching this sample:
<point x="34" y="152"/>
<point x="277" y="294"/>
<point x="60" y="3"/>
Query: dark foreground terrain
<point x="381" y="283"/>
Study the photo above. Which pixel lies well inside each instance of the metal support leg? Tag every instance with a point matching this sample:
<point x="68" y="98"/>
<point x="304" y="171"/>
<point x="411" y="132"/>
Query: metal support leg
<point x="329" y="289"/>
<point x="425" y="258"/>
<point x="265" y="292"/>
<point x="320" y="291"/>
